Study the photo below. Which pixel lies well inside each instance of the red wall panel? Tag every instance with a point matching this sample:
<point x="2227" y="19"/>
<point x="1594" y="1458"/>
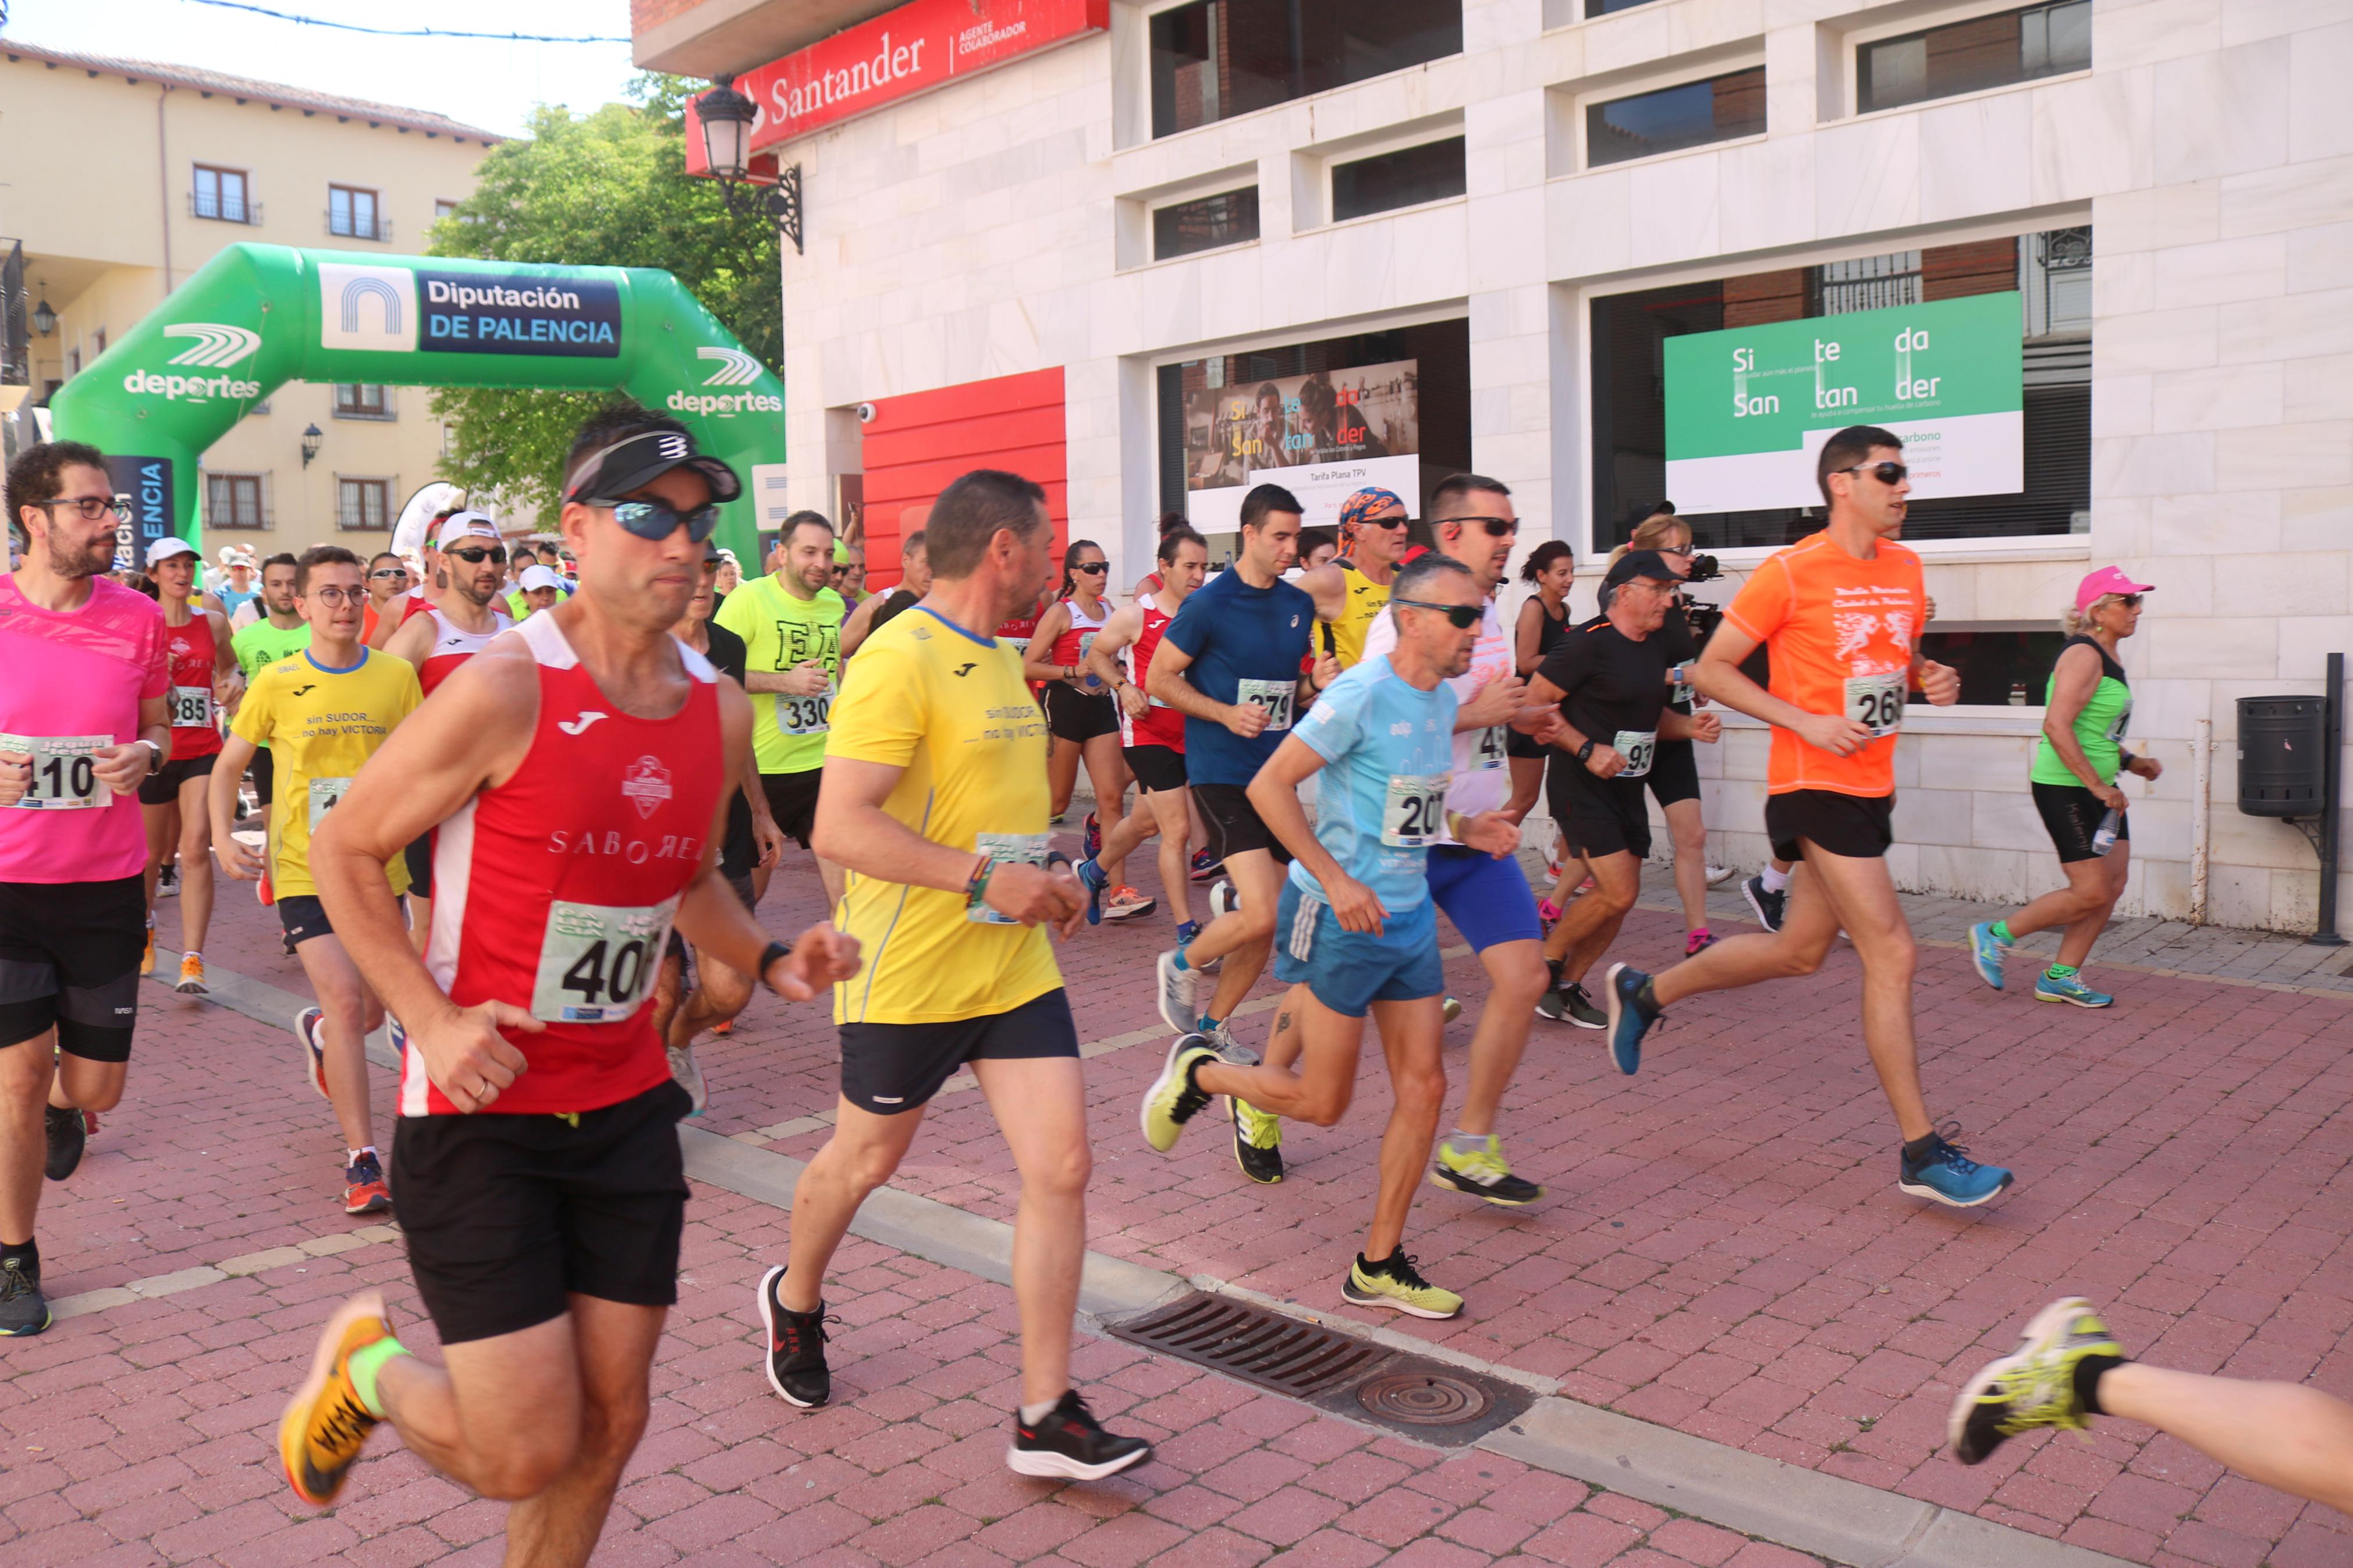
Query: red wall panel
<point x="915" y="446"/>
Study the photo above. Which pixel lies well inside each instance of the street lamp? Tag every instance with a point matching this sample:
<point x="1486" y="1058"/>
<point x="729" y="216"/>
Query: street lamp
<point x="727" y="116"/>
<point x="44" y="320"/>
<point x="312" y="437"/>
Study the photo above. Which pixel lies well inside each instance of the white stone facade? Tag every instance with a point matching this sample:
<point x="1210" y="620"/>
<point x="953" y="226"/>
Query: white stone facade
<point x="997" y="226"/>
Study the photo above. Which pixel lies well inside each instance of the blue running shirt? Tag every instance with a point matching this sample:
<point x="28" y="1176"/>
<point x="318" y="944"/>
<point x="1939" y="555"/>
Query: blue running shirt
<point x="1235" y="633"/>
<point x="1380" y="802"/>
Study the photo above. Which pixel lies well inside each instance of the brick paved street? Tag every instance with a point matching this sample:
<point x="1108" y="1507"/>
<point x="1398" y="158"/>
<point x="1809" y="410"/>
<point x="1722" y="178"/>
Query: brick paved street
<point x="1722" y="1253"/>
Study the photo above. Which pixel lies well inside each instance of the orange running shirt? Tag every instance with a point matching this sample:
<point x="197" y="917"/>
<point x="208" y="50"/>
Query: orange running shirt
<point x="1839" y="635"/>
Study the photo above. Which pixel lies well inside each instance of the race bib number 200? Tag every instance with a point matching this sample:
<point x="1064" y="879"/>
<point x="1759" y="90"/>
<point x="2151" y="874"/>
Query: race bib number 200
<point x="1414" y="814"/>
<point x="597" y="962"/>
<point x="1275" y="696"/>
<point x="65" y="771"/>
<point x="1876" y="702"/>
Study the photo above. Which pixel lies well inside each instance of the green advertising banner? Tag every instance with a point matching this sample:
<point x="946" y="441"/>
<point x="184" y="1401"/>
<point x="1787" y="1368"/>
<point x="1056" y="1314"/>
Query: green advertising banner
<point x="258" y="316"/>
<point x="1748" y="408"/>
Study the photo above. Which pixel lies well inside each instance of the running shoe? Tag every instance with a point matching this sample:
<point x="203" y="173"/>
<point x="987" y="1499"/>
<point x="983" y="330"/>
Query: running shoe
<point x="1481" y="1172"/>
<point x="67" y="1136"/>
<point x="1126" y="904"/>
<point x="1223" y="900"/>
<point x="1764" y="903"/>
<point x="1219" y="1033"/>
<point x="2070" y="988"/>
<point x="147" y="959"/>
<point x="1186" y="931"/>
<point x="364" y="1190"/>
<point x="796" y="1368"/>
<point x="192" y="974"/>
<point x="1394" y="1282"/>
<point x="687" y="1073"/>
<point x="1633" y="1010"/>
<point x="1091" y="841"/>
<point x="1205" y="866"/>
<point x="1171" y="1101"/>
<point x="2034" y="1385"/>
<point x="1180" y="1007"/>
<point x="1451" y="1010"/>
<point x="1718" y="874"/>
<point x="1698" y="941"/>
<point x="1070" y="1445"/>
<point x="1257" y="1141"/>
<point x="1948" y="1175"/>
<point x="314" y="1057"/>
<point x="24" y="1310"/>
<point x="326" y="1425"/>
<point x="1987" y="950"/>
<point x="1547" y="913"/>
<point x="1091" y="879"/>
<point x="1569" y="1005"/>
<point x="724" y="1026"/>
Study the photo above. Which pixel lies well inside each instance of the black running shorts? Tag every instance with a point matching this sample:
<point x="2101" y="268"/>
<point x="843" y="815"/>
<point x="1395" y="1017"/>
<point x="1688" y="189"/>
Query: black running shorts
<point x="1524" y="747"/>
<point x="1075" y="715"/>
<point x="1232" y="825"/>
<point x="302" y="917"/>
<point x="1859" y="826"/>
<point x="888" y="1069"/>
<point x="161" y="787"/>
<point x="419" y="856"/>
<point x="792" y="801"/>
<point x="69" y="961"/>
<point x="2072" y="814"/>
<point x="1674" y="773"/>
<point x="264" y="773"/>
<point x="1597" y="816"/>
<point x="507" y="1217"/>
<point x="1157" y="769"/>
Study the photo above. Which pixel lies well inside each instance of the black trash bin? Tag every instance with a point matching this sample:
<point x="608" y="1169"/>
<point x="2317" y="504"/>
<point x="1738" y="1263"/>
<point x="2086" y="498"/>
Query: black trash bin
<point x="2283" y="755"/>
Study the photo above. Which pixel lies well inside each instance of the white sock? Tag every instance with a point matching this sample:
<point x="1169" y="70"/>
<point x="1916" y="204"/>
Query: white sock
<point x="1033" y="1413"/>
<point x="1775" y="881"/>
<point x="351" y="1156"/>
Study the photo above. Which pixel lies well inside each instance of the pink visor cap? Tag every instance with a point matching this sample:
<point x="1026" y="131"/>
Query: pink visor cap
<point x="2106" y="580"/>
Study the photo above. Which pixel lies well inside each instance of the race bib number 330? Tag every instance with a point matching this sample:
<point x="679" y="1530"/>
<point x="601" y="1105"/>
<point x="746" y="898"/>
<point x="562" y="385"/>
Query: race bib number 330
<point x="597" y="962"/>
<point x="65" y="771"/>
<point x="805" y="715"/>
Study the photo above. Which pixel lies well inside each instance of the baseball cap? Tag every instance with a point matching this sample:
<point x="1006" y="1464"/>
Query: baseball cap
<point x="2107" y="579"/>
<point x="539" y="577"/>
<point x="235" y="555"/>
<point x="463" y="524"/>
<point x="1641" y="564"/>
<point x="168" y="546"/>
<point x="635" y="462"/>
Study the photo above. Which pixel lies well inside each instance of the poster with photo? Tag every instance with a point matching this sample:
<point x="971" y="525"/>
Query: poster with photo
<point x="1321" y="435"/>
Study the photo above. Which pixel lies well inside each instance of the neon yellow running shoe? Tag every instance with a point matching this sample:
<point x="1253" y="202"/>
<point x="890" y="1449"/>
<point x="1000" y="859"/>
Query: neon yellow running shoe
<point x="1482" y="1170"/>
<point x="2033" y="1387"/>
<point x="1395" y="1283"/>
<point x="1258" y="1143"/>
<point x="1172" y="1099"/>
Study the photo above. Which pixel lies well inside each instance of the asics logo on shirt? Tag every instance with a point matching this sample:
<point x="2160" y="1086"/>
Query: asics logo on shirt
<point x="579" y="726"/>
<point x="964" y="670"/>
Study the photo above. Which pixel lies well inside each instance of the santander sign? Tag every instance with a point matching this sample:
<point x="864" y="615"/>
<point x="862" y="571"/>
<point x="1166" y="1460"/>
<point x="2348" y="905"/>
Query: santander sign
<point x="900" y="53"/>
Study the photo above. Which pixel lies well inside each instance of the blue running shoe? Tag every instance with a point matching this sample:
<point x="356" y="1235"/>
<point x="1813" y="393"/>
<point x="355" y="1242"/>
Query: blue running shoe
<point x="1987" y="950"/>
<point x="2070" y="988"/>
<point x="1186" y="931"/>
<point x="1634" y="1009"/>
<point x="1091" y="841"/>
<point x="1091" y="876"/>
<point x="1946" y="1173"/>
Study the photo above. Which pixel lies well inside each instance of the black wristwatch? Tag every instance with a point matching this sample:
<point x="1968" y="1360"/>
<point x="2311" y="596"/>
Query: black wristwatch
<point x="1585" y="751"/>
<point x="775" y="951"/>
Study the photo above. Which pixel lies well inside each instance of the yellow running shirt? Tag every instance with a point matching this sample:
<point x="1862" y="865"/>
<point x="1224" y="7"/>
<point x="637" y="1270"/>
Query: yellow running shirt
<point x="950" y="708"/>
<point x="789" y="733"/>
<point x="1367" y="599"/>
<point x="321" y="724"/>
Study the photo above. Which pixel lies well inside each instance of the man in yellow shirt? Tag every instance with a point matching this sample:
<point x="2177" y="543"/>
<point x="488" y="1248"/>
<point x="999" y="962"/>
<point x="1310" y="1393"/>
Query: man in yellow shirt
<point x="936" y="804"/>
<point x="1353" y="589"/>
<point x="790" y="621"/>
<point x="322" y="711"/>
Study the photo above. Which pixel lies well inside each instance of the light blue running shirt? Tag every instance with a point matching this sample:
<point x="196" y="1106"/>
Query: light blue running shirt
<point x="1388" y="753"/>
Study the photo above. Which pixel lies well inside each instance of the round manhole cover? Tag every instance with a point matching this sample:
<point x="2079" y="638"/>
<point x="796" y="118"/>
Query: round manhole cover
<point x="1423" y="1399"/>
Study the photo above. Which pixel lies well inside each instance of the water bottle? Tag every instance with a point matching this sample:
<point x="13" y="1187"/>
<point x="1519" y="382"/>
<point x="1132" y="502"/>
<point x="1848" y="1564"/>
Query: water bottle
<point x="2104" y="838"/>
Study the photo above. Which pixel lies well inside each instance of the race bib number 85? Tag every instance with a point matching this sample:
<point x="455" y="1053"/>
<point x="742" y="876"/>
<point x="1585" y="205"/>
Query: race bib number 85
<point x="597" y="962"/>
<point x="191" y="707"/>
<point x="1275" y="696"/>
<point x="65" y="771"/>
<point x="1877" y="702"/>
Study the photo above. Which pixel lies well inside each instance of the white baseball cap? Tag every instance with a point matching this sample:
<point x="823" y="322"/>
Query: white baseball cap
<point x="539" y="577"/>
<point x="235" y="555"/>
<point x="168" y="546"/>
<point x="459" y="525"/>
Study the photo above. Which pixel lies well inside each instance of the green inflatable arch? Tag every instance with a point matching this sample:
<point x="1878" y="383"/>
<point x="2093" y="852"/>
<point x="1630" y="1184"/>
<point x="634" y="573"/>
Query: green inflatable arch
<point x="258" y="316"/>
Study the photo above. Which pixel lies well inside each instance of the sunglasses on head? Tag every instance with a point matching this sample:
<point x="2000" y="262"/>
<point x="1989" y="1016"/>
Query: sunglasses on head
<point x="1461" y="617"/>
<point x="1092" y="568"/>
<point x="1497" y="527"/>
<point x="657" y="520"/>
<point x="475" y="555"/>
<point x="1885" y="473"/>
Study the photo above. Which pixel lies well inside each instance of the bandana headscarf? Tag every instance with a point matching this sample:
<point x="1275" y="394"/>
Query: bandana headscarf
<point x="1358" y="507"/>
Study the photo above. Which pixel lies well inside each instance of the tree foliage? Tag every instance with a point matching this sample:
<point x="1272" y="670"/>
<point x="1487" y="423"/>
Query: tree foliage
<point x="603" y="189"/>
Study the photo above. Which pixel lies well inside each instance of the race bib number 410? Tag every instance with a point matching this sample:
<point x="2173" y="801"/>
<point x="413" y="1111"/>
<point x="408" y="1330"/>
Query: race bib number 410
<point x="1876" y="702"/>
<point x="1275" y="696"/>
<point x="597" y="962"/>
<point x="65" y="771"/>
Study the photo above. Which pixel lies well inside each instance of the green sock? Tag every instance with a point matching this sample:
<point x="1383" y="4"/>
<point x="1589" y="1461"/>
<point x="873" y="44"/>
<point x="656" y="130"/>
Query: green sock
<point x="365" y="1363"/>
<point x="2060" y="972"/>
<point x="2001" y="931"/>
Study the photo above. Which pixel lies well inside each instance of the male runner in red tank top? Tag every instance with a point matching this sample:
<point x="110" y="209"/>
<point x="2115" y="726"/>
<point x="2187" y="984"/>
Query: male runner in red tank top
<point x="205" y="681"/>
<point x="420" y="599"/>
<point x="463" y="616"/>
<point x="573" y="771"/>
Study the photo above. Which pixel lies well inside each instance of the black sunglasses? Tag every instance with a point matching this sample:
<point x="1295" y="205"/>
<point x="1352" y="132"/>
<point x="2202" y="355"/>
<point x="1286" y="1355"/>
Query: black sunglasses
<point x="1092" y="568"/>
<point x="475" y="555"/>
<point x="387" y="572"/>
<point x="1397" y="522"/>
<point x="2129" y="601"/>
<point x="1461" y="617"/>
<point x="1885" y="473"/>
<point x="1497" y="527"/>
<point x="657" y="520"/>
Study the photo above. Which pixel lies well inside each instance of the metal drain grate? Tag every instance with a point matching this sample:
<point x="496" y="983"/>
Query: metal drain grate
<point x="1410" y="1394"/>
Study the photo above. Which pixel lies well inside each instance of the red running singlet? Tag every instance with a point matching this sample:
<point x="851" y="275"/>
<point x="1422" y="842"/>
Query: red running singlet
<point x="580" y="859"/>
<point x="192" y="653"/>
<point x="1161" y="724"/>
<point x="453" y="646"/>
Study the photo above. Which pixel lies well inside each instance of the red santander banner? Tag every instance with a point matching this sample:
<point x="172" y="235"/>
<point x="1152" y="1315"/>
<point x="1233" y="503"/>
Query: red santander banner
<point x="899" y="53"/>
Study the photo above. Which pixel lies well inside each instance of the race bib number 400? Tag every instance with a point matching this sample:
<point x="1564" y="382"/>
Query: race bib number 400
<point x="1414" y="811"/>
<point x="1004" y="848"/>
<point x="65" y="771"/>
<point x="805" y="715"/>
<point x="1275" y="696"/>
<point x="1638" y="747"/>
<point x="191" y="707"/>
<point x="596" y="963"/>
<point x="324" y="793"/>
<point x="1876" y="702"/>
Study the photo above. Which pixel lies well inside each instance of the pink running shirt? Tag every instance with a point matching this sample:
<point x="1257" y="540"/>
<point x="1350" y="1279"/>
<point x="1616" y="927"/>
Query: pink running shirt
<point x="71" y="676"/>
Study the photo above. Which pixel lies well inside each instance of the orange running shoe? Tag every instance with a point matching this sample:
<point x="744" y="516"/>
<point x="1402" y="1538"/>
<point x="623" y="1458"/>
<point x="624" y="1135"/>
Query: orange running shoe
<point x="724" y="1026"/>
<point x="326" y="1425"/>
<point x="147" y="959"/>
<point x="364" y="1190"/>
<point x="192" y="974"/>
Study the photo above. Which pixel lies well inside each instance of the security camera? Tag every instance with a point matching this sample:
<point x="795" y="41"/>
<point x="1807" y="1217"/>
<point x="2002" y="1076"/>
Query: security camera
<point x="866" y="413"/>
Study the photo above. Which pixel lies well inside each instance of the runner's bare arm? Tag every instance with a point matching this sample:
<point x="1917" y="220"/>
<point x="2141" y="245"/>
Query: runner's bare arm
<point x="1102" y="658"/>
<point x="853" y="831"/>
<point x="1328" y="588"/>
<point x="413" y="641"/>
<point x="1718" y="677"/>
<point x="1275" y="794"/>
<point x="1165" y="679"/>
<point x="1050" y="627"/>
<point x="854" y="629"/>
<point x="229" y="678"/>
<point x="1544" y="695"/>
<point x="1527" y="635"/>
<point x="238" y="860"/>
<point x="1702" y="727"/>
<point x="806" y="678"/>
<point x="715" y="919"/>
<point x="387" y="622"/>
<point x="2073" y="679"/>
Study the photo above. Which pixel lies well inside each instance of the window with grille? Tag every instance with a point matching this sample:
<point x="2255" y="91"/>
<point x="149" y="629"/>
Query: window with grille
<point x="353" y="212"/>
<point x="1869" y="284"/>
<point x="233" y="501"/>
<point x="1689" y="115"/>
<point x="362" y="505"/>
<point x="358" y="400"/>
<point x="222" y="193"/>
<point x="1972" y="55"/>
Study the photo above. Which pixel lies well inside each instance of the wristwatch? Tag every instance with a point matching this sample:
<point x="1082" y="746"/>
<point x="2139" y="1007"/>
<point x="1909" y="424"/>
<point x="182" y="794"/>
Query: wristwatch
<point x="775" y="951"/>
<point x="154" y="757"/>
<point x="1585" y="751"/>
